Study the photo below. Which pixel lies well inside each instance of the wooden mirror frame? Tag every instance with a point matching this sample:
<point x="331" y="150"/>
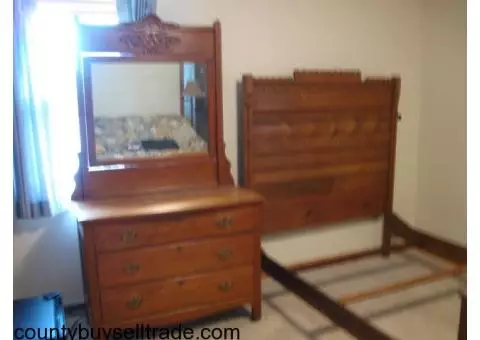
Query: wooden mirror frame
<point x="151" y="39"/>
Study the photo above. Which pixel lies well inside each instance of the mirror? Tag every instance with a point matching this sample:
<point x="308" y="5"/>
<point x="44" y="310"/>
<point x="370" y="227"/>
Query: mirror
<point x="148" y="109"/>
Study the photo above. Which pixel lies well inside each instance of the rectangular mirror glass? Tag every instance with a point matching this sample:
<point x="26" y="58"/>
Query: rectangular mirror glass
<point x="148" y="109"/>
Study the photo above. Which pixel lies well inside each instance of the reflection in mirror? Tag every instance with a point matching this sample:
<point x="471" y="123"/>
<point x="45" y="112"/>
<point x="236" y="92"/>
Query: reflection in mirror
<point x="148" y="109"/>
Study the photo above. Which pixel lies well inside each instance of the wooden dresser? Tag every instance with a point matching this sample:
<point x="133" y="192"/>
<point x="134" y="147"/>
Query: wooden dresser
<point x="166" y="237"/>
<point x="165" y="259"/>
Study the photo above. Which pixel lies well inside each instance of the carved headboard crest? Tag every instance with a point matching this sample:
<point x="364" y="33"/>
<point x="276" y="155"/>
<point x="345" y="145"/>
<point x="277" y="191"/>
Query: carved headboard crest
<point x="148" y="36"/>
<point x="329" y="76"/>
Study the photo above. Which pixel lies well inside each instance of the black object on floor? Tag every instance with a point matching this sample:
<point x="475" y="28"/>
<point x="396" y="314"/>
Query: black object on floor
<point x="41" y="317"/>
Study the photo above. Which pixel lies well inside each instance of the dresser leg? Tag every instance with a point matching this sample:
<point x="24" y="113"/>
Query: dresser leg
<point x="256" y="313"/>
<point x="462" y="326"/>
<point x="386" y="241"/>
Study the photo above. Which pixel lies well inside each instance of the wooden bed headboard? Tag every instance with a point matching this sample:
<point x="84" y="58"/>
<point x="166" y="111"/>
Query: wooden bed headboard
<point x="319" y="146"/>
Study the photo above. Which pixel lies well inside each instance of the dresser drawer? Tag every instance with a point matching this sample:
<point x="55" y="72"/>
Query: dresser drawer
<point x="130" y="234"/>
<point x="174" y="259"/>
<point x="176" y="294"/>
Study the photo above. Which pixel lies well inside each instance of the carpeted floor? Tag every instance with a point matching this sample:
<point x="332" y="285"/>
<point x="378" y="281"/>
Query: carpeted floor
<point x="429" y="311"/>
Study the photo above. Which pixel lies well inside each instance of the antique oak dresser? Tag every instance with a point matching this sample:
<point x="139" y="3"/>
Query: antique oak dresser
<point x="165" y="236"/>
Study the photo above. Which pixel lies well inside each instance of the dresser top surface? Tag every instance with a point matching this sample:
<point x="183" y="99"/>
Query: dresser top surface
<point x="162" y="204"/>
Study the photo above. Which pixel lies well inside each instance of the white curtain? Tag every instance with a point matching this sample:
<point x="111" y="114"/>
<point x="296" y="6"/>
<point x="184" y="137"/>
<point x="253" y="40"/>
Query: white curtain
<point x="46" y="127"/>
<point x="46" y="133"/>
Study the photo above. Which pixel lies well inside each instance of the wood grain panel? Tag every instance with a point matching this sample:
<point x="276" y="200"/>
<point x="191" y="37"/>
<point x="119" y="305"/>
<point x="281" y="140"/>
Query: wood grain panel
<point x="153" y="206"/>
<point x="185" y="315"/>
<point x="298" y="97"/>
<point x="128" y="182"/>
<point x="337" y="170"/>
<point x="315" y="129"/>
<point x="362" y="181"/>
<point x="311" y="159"/>
<point x="125" y="303"/>
<point x="327" y="199"/>
<point x="323" y="186"/>
<point x="296" y="187"/>
<point x="318" y="146"/>
<point x="135" y="233"/>
<point x="134" y="266"/>
<point x="295" y="213"/>
<point x="299" y="117"/>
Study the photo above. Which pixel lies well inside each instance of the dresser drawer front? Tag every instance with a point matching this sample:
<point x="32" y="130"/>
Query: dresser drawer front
<point x="131" y="234"/>
<point x="175" y="294"/>
<point x="185" y="258"/>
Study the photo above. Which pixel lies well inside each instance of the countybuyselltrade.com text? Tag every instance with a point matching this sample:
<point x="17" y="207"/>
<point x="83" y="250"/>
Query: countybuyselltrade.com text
<point x="139" y="332"/>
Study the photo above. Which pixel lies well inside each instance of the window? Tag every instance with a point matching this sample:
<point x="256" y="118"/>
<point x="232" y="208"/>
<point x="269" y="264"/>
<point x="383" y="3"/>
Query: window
<point x="48" y="128"/>
<point x="91" y="12"/>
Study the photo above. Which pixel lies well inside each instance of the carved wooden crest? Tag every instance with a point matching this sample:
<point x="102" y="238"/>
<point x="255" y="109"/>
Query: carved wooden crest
<point x="328" y="76"/>
<point x="149" y="36"/>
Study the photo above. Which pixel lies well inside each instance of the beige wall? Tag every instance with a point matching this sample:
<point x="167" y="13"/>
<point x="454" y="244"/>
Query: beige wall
<point x="135" y="89"/>
<point x="271" y="37"/>
<point x="442" y="142"/>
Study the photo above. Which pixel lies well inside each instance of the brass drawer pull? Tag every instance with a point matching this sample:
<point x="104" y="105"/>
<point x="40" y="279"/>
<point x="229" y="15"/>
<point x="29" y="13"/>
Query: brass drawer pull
<point x="129" y="235"/>
<point x="131" y="269"/>
<point x="224" y="254"/>
<point x="224" y="222"/>
<point x="225" y="286"/>
<point x="135" y="302"/>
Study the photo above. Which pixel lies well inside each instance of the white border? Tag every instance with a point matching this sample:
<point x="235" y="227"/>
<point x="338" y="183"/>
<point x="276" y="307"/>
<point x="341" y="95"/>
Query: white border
<point x="6" y="204"/>
<point x="473" y="165"/>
